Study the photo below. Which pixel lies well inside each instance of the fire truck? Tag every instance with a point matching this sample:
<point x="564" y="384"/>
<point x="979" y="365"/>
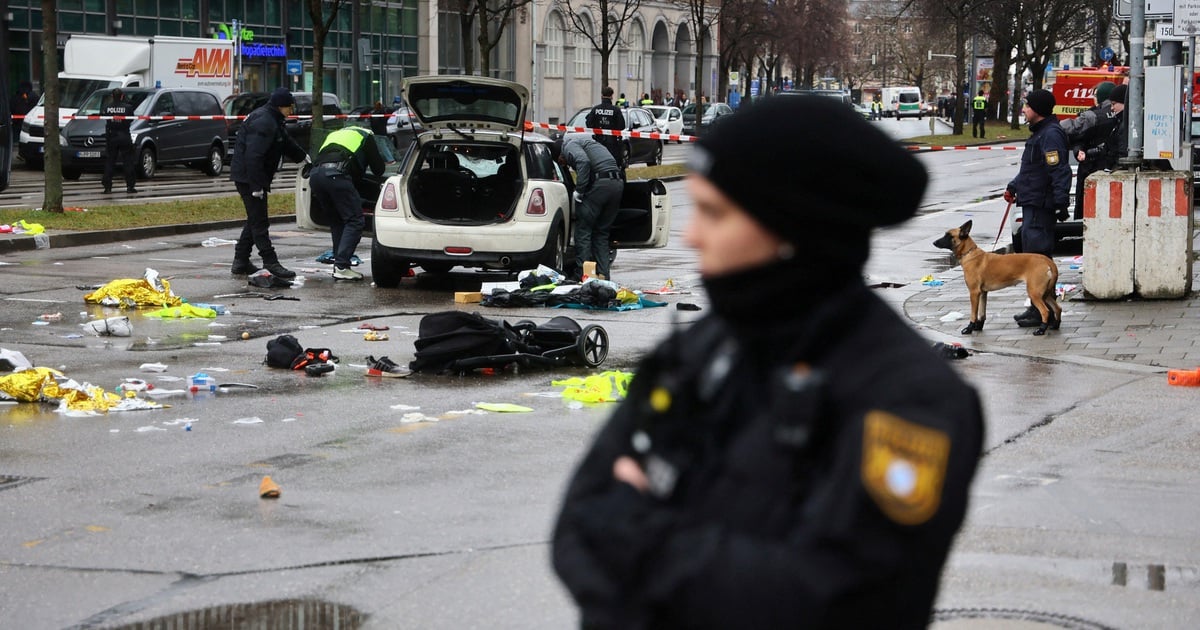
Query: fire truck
<point x="1075" y="90"/>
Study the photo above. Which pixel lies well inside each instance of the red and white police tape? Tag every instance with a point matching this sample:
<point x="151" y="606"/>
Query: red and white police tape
<point x="529" y="126"/>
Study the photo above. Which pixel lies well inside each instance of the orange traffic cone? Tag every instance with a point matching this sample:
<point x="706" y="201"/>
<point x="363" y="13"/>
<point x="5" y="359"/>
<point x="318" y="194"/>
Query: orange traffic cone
<point x="1187" y="378"/>
<point x="268" y="489"/>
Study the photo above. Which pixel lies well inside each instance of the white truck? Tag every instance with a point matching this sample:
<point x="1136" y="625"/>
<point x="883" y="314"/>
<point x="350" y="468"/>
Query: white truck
<point x="95" y="62"/>
<point x="902" y="101"/>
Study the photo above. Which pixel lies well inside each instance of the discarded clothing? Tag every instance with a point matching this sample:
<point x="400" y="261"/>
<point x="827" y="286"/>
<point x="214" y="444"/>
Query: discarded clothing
<point x="184" y="311"/>
<point x="610" y="386"/>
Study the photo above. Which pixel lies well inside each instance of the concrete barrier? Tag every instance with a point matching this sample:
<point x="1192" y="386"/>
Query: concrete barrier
<point x="1108" y="235"/>
<point x="1162" y="257"/>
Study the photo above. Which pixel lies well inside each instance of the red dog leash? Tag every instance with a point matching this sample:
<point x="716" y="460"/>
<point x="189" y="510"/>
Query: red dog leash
<point x="1002" y="222"/>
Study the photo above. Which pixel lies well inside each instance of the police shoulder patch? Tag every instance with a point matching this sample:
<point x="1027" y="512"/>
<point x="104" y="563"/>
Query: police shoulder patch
<point x="903" y="466"/>
<point x="1052" y="158"/>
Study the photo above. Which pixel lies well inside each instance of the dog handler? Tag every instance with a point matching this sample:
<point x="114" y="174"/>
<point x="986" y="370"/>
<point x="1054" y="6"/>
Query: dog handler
<point x="1042" y="188"/>
<point x="799" y="458"/>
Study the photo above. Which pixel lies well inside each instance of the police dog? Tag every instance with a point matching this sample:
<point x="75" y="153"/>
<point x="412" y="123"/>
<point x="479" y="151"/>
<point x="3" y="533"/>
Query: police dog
<point x="985" y="271"/>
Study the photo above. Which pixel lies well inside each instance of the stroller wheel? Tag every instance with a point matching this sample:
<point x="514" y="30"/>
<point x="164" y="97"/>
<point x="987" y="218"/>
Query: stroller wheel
<point x="592" y="345"/>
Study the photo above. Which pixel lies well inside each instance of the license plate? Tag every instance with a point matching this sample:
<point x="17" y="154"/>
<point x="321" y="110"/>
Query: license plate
<point x="87" y="154"/>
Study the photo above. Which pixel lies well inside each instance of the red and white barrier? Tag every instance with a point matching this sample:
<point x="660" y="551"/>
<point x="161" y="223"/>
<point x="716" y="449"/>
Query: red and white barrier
<point x="1162" y="256"/>
<point x="1108" y="234"/>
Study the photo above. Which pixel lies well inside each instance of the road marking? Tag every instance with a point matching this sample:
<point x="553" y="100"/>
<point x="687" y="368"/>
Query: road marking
<point x="14" y="299"/>
<point x="178" y="260"/>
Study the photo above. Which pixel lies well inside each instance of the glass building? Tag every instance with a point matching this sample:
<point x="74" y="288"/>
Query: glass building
<point x="370" y="48"/>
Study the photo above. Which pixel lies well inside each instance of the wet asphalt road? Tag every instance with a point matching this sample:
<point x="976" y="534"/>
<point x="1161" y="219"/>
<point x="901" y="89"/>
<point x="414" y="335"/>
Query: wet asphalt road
<point x="126" y="517"/>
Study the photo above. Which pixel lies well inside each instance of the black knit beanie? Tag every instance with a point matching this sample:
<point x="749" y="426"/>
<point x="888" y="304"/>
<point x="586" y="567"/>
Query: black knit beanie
<point x="1042" y="102"/>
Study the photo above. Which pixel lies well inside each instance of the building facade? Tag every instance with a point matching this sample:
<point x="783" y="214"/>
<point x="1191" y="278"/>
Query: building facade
<point x="372" y="45"/>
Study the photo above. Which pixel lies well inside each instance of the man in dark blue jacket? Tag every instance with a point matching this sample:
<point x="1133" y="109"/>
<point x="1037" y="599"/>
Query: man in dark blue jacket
<point x="1042" y="188"/>
<point x="261" y="143"/>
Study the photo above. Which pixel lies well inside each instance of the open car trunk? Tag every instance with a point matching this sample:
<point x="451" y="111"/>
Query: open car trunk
<point x="465" y="183"/>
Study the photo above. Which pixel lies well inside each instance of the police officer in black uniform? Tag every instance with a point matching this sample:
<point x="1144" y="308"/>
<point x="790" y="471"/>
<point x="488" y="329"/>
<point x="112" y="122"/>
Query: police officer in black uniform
<point x="782" y="463"/>
<point x="337" y="170"/>
<point x="118" y="144"/>
<point x="261" y="143"/>
<point x="608" y="116"/>
<point x="1042" y="188"/>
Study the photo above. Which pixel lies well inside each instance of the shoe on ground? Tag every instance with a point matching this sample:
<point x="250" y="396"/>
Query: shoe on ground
<point x="107" y="190"/>
<point x="243" y="268"/>
<point x="385" y="367"/>
<point x="279" y="270"/>
<point x="1030" y="312"/>
<point x="132" y="191"/>
<point x="346" y="273"/>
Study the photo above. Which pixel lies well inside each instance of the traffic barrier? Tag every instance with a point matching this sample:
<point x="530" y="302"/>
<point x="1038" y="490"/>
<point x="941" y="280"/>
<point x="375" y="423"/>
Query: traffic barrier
<point x="1108" y="229"/>
<point x="1162" y="256"/>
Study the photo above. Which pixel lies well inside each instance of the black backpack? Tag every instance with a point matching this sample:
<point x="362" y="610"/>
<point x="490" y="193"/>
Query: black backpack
<point x="283" y="351"/>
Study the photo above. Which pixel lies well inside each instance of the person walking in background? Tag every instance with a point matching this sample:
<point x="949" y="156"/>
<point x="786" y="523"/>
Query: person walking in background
<point x="261" y="144"/>
<point x="599" y="183"/>
<point x="979" y="117"/>
<point x="337" y="171"/>
<point x="24" y="100"/>
<point x="379" y="118"/>
<point x="1042" y="187"/>
<point x="118" y="145"/>
<point x="605" y="115"/>
<point x="779" y="464"/>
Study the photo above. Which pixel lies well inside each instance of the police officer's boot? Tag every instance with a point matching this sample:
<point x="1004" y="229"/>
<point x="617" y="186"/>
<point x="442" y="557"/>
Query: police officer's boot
<point x="1030" y="318"/>
<point x="279" y="271"/>
<point x="242" y="267"/>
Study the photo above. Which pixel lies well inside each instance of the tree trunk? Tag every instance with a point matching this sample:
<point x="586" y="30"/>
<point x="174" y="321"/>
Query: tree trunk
<point x="485" y="48"/>
<point x="53" y="193"/>
<point x="466" y="22"/>
<point x="998" y="99"/>
<point x="960" y="71"/>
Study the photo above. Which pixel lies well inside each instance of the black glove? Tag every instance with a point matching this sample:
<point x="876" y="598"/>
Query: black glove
<point x="1062" y="213"/>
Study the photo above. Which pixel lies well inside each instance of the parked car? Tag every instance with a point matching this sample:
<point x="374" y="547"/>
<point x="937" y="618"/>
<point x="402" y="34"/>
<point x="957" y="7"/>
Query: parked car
<point x="196" y="143"/>
<point x="401" y="123"/>
<point x="668" y="118"/>
<point x="863" y="110"/>
<point x="710" y="114"/>
<point x="300" y="129"/>
<point x="637" y="150"/>
<point x="477" y="191"/>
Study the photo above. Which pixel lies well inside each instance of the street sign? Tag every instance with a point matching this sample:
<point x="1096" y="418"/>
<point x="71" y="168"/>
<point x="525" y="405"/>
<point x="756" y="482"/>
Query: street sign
<point x="1164" y="32"/>
<point x="1187" y="18"/>
<point x="1155" y="9"/>
<point x="295" y="67"/>
<point x="1106" y="53"/>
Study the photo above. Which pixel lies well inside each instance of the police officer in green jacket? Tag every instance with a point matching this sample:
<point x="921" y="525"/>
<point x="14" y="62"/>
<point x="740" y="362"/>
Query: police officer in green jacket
<point x="341" y="163"/>
<point x="979" y="114"/>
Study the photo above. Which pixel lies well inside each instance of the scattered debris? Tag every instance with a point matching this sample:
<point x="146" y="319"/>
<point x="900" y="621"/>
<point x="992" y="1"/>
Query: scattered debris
<point x="951" y="351"/>
<point x="503" y="407"/>
<point x="268" y="489"/>
<point x="1184" y="378"/>
<point x="110" y="326"/>
<point x="952" y="316"/>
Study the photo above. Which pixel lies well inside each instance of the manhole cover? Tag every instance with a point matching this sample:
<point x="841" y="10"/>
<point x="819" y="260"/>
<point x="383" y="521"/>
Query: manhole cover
<point x="287" y="614"/>
<point x="1008" y="619"/>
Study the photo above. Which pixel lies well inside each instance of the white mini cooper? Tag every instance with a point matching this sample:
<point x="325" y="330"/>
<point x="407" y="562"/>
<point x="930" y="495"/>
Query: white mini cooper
<point x="478" y="190"/>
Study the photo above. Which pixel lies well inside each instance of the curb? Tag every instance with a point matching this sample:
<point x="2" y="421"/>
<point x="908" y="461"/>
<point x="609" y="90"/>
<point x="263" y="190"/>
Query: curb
<point x="100" y="237"/>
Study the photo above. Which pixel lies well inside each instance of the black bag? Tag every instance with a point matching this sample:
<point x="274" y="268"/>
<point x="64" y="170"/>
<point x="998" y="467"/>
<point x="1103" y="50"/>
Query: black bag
<point x="313" y="356"/>
<point x="283" y="351"/>
<point x="446" y="337"/>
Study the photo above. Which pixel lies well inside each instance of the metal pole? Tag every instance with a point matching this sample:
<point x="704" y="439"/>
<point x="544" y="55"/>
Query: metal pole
<point x="1191" y="86"/>
<point x="1137" y="77"/>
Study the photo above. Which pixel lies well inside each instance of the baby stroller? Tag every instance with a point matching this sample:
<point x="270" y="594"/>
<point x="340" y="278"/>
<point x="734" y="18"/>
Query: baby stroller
<point x="456" y="342"/>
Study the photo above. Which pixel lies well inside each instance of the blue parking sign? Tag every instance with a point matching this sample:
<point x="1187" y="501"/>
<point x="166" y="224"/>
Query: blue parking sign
<point x="295" y="67"/>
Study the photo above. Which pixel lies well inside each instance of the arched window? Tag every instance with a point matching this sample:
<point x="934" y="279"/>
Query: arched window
<point x="554" y="46"/>
<point x="637" y="43"/>
<point x="583" y="51"/>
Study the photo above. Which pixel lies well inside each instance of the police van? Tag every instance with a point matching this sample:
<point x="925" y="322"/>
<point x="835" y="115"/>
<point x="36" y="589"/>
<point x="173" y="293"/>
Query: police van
<point x="902" y="101"/>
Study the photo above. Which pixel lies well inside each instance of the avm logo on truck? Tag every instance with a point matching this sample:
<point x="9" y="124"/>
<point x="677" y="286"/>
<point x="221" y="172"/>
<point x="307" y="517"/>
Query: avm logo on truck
<point x="207" y="62"/>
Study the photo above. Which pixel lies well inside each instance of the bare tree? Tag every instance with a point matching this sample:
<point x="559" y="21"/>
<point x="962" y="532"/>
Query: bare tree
<point x="1050" y="27"/>
<point x="743" y="27"/>
<point x="817" y="36"/>
<point x="482" y="23"/>
<point x="702" y="17"/>
<point x="53" y="196"/>
<point x="956" y="14"/>
<point x="614" y="17"/>
<point x="321" y="26"/>
<point x="1000" y="22"/>
<point x="468" y="11"/>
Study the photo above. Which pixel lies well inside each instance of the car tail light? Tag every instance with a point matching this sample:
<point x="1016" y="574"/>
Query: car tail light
<point x="389" y="198"/>
<point x="458" y="251"/>
<point x="537" y="203"/>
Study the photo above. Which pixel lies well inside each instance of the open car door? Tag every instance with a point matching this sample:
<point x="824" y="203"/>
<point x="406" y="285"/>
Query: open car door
<point x="644" y="218"/>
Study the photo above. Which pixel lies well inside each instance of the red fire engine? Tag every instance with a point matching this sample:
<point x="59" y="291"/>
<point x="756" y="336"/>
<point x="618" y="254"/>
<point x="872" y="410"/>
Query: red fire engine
<point x="1075" y="90"/>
